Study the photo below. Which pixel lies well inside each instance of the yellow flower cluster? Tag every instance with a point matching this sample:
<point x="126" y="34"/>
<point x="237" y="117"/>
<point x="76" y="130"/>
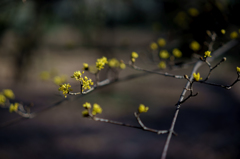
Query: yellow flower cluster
<point x="154" y="46"/>
<point x="164" y="54"/>
<point x="114" y="63"/>
<point x="2" y="99"/>
<point x="13" y="107"/>
<point x="223" y="31"/>
<point x="85" y="113"/>
<point x="77" y="75"/>
<point x="87" y="105"/>
<point x="177" y="53"/>
<point x="162" y="65"/>
<point x="96" y="109"/>
<point x="194" y="45"/>
<point x="207" y="54"/>
<point x="60" y="79"/>
<point x="238" y="69"/>
<point x="134" y="55"/>
<point x="65" y="88"/>
<point x="233" y="35"/>
<point x="197" y="76"/>
<point x="6" y="93"/>
<point x="142" y="108"/>
<point x="161" y="42"/>
<point x="122" y="65"/>
<point x="86" y="83"/>
<point x="101" y="63"/>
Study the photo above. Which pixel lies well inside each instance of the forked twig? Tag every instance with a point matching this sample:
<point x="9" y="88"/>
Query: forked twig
<point x="216" y="53"/>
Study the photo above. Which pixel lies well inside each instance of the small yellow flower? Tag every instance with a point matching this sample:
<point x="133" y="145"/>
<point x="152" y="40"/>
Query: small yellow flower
<point x="60" y="79"/>
<point x="177" y="53"/>
<point x="44" y="75"/>
<point x="161" y="42"/>
<point x="85" y="113"/>
<point x="238" y="69"/>
<point x="96" y="109"/>
<point x="2" y="99"/>
<point x="197" y="76"/>
<point x="13" y="107"/>
<point x="207" y="54"/>
<point x="134" y="55"/>
<point x="154" y="46"/>
<point x="65" y="88"/>
<point x="101" y="63"/>
<point x="86" y="83"/>
<point x="233" y="35"/>
<point x="133" y="60"/>
<point x="223" y="31"/>
<point x="8" y="93"/>
<point x="113" y="63"/>
<point x="87" y="105"/>
<point x="122" y="65"/>
<point x="77" y="75"/>
<point x="194" y="45"/>
<point x="193" y="12"/>
<point x="142" y="108"/>
<point x="85" y="66"/>
<point x="162" y="65"/>
<point x="164" y="54"/>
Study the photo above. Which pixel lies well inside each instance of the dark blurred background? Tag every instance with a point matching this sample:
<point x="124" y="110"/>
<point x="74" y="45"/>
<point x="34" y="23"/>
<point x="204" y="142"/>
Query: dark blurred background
<point x="59" y="35"/>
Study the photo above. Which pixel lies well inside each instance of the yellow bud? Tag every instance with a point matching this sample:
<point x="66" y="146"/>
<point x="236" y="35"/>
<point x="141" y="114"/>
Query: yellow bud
<point x="85" y="113"/>
<point x="13" y="107"/>
<point x="2" y="99"/>
<point x="96" y="109"/>
<point x="122" y="65"/>
<point x="162" y="65"/>
<point x="207" y="54"/>
<point x="153" y="46"/>
<point x="87" y="105"/>
<point x="233" y="35"/>
<point x="134" y="55"/>
<point x="142" y="108"/>
<point x="197" y="76"/>
<point x="8" y="93"/>
<point x="177" y="53"/>
<point x="161" y="42"/>
<point x="194" y="45"/>
<point x="223" y="31"/>
<point x="164" y="54"/>
<point x="238" y="69"/>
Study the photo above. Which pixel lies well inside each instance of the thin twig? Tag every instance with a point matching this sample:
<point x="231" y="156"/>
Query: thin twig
<point x="216" y="53"/>
<point x="212" y="68"/>
<point x="155" y="72"/>
<point x="220" y="85"/>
